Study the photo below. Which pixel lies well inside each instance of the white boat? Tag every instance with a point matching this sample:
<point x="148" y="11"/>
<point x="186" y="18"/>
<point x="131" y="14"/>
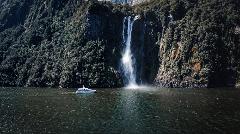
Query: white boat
<point x="85" y="90"/>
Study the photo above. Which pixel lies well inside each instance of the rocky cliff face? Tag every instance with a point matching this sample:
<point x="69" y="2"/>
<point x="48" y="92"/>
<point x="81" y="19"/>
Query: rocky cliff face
<point x="177" y="43"/>
<point x="145" y="35"/>
<point x="199" y="46"/>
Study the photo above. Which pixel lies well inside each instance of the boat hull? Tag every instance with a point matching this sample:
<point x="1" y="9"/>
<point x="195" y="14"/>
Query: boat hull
<point x="85" y="92"/>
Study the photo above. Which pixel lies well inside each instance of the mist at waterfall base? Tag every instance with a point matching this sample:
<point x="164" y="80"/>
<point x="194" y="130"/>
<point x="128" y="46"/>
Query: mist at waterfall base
<point x="128" y="62"/>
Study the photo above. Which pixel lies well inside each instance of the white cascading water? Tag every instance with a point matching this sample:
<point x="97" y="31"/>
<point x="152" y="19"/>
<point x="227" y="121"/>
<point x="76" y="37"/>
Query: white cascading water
<point x="127" y="57"/>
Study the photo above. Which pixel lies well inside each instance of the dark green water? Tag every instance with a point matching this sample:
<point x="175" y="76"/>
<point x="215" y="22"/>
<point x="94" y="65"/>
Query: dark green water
<point x="164" y="111"/>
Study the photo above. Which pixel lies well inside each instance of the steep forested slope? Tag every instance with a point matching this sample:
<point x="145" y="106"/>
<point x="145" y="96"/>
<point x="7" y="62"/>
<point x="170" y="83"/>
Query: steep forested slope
<point x="177" y="43"/>
<point x="59" y="43"/>
<point x="199" y="43"/>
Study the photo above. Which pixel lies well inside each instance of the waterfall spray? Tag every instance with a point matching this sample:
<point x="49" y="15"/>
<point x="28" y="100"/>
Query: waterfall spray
<point x="128" y="60"/>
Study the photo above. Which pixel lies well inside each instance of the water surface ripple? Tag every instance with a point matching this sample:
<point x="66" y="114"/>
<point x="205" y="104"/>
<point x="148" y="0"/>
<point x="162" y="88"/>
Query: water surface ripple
<point x="164" y="111"/>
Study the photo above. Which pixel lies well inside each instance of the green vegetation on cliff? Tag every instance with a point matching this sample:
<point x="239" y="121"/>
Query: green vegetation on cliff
<point x="59" y="43"/>
<point x="185" y="43"/>
<point x="199" y="43"/>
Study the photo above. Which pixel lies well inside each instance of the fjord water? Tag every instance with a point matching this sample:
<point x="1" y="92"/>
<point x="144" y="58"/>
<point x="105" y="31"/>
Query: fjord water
<point x="166" y="111"/>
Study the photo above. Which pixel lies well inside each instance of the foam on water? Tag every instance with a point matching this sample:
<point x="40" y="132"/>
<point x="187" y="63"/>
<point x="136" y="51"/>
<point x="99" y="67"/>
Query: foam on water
<point x="140" y="87"/>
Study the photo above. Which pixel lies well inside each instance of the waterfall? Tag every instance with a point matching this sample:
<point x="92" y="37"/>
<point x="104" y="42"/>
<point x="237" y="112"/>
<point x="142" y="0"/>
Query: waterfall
<point x="128" y="60"/>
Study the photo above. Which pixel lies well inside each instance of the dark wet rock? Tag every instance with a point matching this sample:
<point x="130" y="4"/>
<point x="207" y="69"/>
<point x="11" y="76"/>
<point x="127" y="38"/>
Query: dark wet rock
<point x="147" y="30"/>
